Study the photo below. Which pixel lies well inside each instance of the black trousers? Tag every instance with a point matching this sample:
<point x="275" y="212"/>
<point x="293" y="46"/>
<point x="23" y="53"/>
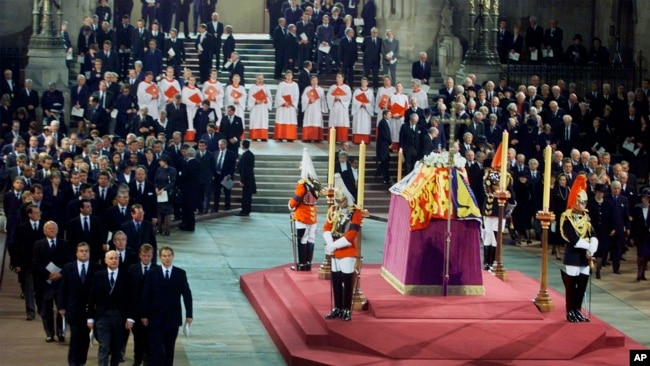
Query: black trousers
<point x="182" y="14"/>
<point x="79" y="341"/>
<point x="246" y="201"/>
<point x="383" y="168"/>
<point x="162" y="339"/>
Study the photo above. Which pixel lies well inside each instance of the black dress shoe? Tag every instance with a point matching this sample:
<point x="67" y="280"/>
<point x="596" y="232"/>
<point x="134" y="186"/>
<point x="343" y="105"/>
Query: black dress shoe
<point x="31" y="317"/>
<point x="61" y="337"/>
<point x="579" y="316"/>
<point x="49" y="339"/>
<point x="617" y="272"/>
<point x="346" y="316"/>
<point x="570" y="316"/>
<point x="335" y="313"/>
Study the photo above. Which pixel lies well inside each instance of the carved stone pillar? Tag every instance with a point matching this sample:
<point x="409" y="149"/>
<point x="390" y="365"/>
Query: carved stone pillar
<point x="481" y="58"/>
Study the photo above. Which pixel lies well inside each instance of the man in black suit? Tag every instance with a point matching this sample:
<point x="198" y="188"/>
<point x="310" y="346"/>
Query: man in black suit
<point x="348" y="53"/>
<point x="47" y="278"/>
<point x="104" y="193"/>
<point x="304" y="80"/>
<point x="124" y="32"/>
<point x="291" y="50"/>
<point x="236" y="68"/>
<point x="215" y="28"/>
<point x="206" y="173"/>
<point x="45" y="208"/>
<point x="211" y="138"/>
<point x="203" y="44"/>
<point x="246" y="171"/>
<point x="474" y="176"/>
<point x="620" y="225"/>
<point x="232" y="129"/>
<point x="306" y="27"/>
<point x="143" y="192"/>
<point x="409" y="142"/>
<point x="109" y="310"/>
<point x="96" y="115"/>
<point x="178" y="48"/>
<point x="87" y="228"/>
<point x="28" y="99"/>
<point x="553" y="41"/>
<point x="421" y="69"/>
<point x="139" y="37"/>
<point x="73" y="299"/>
<point x="344" y="168"/>
<point x="534" y="37"/>
<point x="137" y="274"/>
<point x="504" y="40"/>
<point x="116" y="215"/>
<point x="109" y="57"/>
<point x="568" y="136"/>
<point x="187" y="181"/>
<point x="225" y="170"/>
<point x="447" y="92"/>
<point x="22" y="254"/>
<point x="126" y="255"/>
<point x="177" y="113"/>
<point x="138" y="230"/>
<point x="382" y="151"/>
<point x="371" y="49"/>
<point x="161" y="307"/>
<point x="152" y="59"/>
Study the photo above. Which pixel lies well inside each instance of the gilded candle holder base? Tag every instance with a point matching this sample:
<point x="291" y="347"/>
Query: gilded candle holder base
<point x="500" y="272"/>
<point x="543" y="300"/>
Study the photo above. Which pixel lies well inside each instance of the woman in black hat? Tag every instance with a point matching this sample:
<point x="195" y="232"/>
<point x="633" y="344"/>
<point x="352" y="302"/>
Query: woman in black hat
<point x="165" y="181"/>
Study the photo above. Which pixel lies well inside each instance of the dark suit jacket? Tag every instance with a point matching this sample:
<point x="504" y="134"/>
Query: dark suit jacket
<point x="216" y="34"/>
<point x="188" y="177"/>
<point x="79" y="96"/>
<point x="228" y="48"/>
<point x="111" y="63"/>
<point x="114" y="219"/>
<point x="371" y="51"/>
<point x="232" y="130"/>
<point x="417" y="72"/>
<point x="348" y="51"/>
<point x="246" y="171"/>
<point x="136" y="286"/>
<point x="179" y="118"/>
<point x="236" y="69"/>
<point x="135" y="239"/>
<point x="383" y="140"/>
<point x="73" y="294"/>
<point x="208" y="166"/>
<point x="161" y="298"/>
<point x="152" y="61"/>
<point x="138" y="43"/>
<point x="101" y="298"/>
<point x="23" y="249"/>
<point x="103" y="205"/>
<point x="97" y="236"/>
<point x="228" y="167"/>
<point x="213" y="143"/>
<point x="148" y="200"/>
<point x="620" y="214"/>
<point x="565" y="145"/>
<point x="43" y="255"/>
<point x="179" y="52"/>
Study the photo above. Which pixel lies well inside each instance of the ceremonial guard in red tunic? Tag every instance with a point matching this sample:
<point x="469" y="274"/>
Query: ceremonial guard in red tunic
<point x="340" y="231"/>
<point x="303" y="206"/>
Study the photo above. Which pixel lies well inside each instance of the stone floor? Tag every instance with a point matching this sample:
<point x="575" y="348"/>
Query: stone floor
<point x="226" y="331"/>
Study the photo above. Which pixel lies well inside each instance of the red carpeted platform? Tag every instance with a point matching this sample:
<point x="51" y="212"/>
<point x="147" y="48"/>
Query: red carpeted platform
<point x="503" y="327"/>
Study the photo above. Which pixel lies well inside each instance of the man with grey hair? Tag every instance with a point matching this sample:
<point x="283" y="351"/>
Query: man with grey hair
<point x="348" y="55"/>
<point x="421" y="69"/>
<point x="390" y="54"/>
<point x="371" y="48"/>
<point x="28" y="99"/>
<point x="188" y="180"/>
<point x="568" y="135"/>
<point x="620" y="225"/>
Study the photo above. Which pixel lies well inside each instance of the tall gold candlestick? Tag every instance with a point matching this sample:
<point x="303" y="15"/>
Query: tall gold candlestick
<point x="362" y="174"/>
<point x="504" y="161"/>
<point x="332" y="155"/>
<point x="547" y="179"/>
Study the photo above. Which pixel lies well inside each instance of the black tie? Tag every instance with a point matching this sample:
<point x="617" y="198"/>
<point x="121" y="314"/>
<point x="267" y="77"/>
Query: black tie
<point x="146" y="268"/>
<point x="137" y="227"/>
<point x="86" y="225"/>
<point x="35" y="226"/>
<point x="141" y="189"/>
<point x="166" y="274"/>
<point x="121" y="259"/>
<point x="123" y="209"/>
<point x="83" y="273"/>
<point x="52" y="245"/>
<point x="112" y="280"/>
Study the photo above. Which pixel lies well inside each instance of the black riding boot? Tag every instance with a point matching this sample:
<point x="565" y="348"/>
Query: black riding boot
<point x="337" y="291"/>
<point x="348" y="292"/>
<point x="581" y="286"/>
<point x="310" y="256"/>
<point x="569" y="296"/>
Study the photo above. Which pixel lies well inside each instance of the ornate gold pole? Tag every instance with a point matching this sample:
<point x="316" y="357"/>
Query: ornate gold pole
<point x="359" y="301"/>
<point x="543" y="299"/>
<point x="502" y="195"/>
<point x="325" y="269"/>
